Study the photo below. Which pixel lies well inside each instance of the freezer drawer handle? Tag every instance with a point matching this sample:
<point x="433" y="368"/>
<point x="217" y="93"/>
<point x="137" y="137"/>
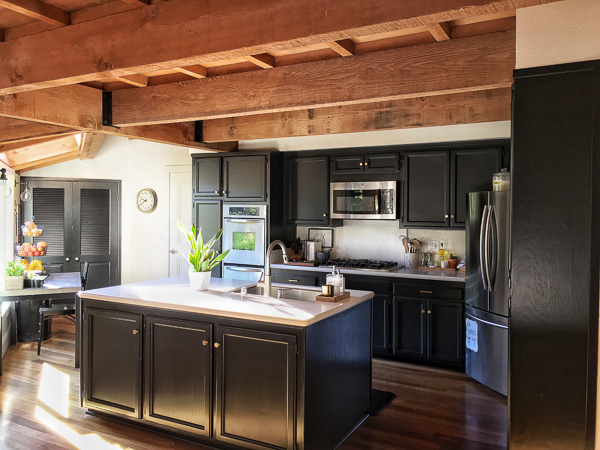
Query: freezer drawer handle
<point x="486" y="322"/>
<point x="240" y="269"/>
<point x="244" y="220"/>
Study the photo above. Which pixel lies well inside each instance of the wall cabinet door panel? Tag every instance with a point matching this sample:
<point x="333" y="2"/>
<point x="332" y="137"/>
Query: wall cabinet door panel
<point x="245" y="178"/>
<point x="113" y="373"/>
<point x="381" y="162"/>
<point x="208" y="215"/>
<point x="178" y="361"/>
<point x="263" y="393"/>
<point x="206" y="176"/>
<point x="307" y="191"/>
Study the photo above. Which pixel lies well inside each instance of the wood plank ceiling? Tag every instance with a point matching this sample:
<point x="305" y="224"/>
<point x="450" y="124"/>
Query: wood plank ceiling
<point x="208" y="74"/>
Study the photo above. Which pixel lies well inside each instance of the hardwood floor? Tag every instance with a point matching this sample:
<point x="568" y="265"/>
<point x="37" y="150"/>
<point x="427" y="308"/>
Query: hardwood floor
<point x="433" y="409"/>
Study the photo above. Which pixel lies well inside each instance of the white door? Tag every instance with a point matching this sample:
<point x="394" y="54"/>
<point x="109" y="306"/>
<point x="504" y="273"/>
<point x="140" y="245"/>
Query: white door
<point x="180" y="208"/>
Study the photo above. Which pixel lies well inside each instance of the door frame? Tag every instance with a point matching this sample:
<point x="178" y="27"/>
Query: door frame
<point x="170" y="169"/>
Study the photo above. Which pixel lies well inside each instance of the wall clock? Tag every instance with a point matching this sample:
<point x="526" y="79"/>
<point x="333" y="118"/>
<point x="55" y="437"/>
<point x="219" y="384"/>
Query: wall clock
<point x="147" y="200"/>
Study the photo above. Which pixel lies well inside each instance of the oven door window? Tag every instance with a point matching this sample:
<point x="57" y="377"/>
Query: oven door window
<point x="356" y="201"/>
<point x="244" y="240"/>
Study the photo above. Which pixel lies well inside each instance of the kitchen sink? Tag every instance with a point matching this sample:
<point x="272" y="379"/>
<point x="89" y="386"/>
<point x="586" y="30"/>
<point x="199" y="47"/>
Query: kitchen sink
<point x="279" y="292"/>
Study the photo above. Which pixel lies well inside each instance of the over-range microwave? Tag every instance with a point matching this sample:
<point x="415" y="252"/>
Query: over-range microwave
<point x="363" y="200"/>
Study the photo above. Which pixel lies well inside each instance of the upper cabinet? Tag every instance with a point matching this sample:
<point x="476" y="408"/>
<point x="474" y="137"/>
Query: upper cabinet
<point x="306" y="200"/>
<point x="436" y="183"/>
<point x="364" y="163"/>
<point x="232" y="178"/>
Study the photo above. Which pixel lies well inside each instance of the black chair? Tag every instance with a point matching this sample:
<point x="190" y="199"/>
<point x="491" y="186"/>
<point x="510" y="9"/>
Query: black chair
<point x="66" y="310"/>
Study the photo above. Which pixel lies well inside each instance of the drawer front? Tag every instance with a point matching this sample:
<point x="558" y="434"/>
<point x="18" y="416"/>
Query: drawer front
<point x="428" y="291"/>
<point x="305" y="280"/>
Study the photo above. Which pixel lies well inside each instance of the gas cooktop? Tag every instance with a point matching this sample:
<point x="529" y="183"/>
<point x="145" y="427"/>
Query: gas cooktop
<point x="361" y="264"/>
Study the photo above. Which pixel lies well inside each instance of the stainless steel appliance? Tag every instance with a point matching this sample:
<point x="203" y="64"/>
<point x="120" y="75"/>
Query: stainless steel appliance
<point x="245" y="233"/>
<point x="487" y="289"/>
<point x="368" y="200"/>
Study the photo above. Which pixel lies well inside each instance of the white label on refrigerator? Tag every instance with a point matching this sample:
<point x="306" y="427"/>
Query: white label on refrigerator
<point x="472" y="335"/>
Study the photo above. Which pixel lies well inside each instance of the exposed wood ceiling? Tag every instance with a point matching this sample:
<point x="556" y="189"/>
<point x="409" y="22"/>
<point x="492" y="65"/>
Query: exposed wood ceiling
<point x="247" y="69"/>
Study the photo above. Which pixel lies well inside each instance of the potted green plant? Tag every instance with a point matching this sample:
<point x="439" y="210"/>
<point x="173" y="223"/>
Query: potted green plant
<point x="452" y="261"/>
<point x="202" y="257"/>
<point x="13" y="275"/>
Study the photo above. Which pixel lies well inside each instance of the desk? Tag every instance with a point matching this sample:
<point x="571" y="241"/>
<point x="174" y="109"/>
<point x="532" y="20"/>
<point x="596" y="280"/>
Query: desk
<point x="57" y="285"/>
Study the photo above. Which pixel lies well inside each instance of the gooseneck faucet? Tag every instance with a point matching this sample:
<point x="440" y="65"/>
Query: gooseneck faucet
<point x="268" y="264"/>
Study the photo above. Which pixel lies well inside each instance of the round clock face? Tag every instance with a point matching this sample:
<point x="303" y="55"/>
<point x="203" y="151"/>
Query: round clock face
<point x="147" y="200"/>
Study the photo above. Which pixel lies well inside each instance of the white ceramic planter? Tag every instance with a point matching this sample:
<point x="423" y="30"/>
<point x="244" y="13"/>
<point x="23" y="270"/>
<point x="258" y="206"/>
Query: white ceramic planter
<point x="199" y="281"/>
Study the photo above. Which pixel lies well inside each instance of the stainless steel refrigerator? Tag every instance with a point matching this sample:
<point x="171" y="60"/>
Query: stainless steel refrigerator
<point x="487" y="289"/>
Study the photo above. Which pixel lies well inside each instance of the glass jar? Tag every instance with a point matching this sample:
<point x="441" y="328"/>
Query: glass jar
<point x="501" y="180"/>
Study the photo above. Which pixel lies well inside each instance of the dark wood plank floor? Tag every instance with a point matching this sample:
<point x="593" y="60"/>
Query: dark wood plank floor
<point x="433" y="409"/>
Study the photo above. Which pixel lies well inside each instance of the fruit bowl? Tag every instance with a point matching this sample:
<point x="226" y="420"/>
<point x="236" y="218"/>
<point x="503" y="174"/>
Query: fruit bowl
<point x="28" y="249"/>
<point x="30" y="229"/>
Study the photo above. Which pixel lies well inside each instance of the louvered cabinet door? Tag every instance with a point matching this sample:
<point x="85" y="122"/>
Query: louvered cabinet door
<point x="51" y="206"/>
<point x="96" y="231"/>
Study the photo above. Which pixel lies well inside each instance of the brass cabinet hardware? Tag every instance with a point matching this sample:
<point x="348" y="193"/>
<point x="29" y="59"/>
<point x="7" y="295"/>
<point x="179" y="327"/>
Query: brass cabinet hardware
<point x="426" y="292"/>
<point x="429" y="311"/>
<point x="217" y="345"/>
<point x="446" y="216"/>
<point x="135" y="331"/>
<point x="205" y="343"/>
<point x="422" y="311"/>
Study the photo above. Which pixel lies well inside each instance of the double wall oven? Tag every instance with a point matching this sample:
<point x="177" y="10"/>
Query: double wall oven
<point x="245" y="233"/>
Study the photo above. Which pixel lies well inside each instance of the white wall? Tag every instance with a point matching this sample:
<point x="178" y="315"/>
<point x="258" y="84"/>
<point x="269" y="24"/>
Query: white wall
<point x="138" y="164"/>
<point x="556" y="33"/>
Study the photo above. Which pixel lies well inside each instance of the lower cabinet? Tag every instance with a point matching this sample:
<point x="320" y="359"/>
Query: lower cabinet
<point x="255" y="386"/>
<point x="381" y="324"/>
<point x="429" y="329"/>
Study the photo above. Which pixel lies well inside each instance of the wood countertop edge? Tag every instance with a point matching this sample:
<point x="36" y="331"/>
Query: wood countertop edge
<point x="343" y="305"/>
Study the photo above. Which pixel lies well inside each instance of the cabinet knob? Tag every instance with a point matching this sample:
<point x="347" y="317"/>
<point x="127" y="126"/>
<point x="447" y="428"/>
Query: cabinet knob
<point x="361" y="164"/>
<point x="422" y="311"/>
<point x="217" y="192"/>
<point x="324" y="215"/>
<point x="217" y="345"/>
<point x="452" y="215"/>
<point x="446" y="216"/>
<point x="67" y="259"/>
<point x="135" y="332"/>
<point x="205" y="343"/>
<point x="428" y="311"/>
<point x="366" y="163"/>
<point x="77" y="258"/>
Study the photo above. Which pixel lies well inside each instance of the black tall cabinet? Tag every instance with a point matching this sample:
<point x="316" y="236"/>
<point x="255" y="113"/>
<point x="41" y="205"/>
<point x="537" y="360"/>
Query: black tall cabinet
<point x="555" y="257"/>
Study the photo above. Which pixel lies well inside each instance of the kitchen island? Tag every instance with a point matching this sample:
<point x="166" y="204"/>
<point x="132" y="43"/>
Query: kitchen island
<point x="226" y="369"/>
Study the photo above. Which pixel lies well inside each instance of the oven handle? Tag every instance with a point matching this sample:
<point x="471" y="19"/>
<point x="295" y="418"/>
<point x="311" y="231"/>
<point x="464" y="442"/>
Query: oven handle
<point x="244" y="220"/>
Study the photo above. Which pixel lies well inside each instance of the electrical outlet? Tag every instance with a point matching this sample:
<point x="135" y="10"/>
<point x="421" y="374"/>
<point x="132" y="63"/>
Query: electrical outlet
<point x="433" y="245"/>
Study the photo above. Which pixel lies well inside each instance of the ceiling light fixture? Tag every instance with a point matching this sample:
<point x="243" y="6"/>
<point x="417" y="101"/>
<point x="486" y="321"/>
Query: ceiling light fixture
<point x="5" y="189"/>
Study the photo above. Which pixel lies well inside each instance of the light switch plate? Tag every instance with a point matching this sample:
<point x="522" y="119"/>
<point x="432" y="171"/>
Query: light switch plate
<point x="433" y="245"/>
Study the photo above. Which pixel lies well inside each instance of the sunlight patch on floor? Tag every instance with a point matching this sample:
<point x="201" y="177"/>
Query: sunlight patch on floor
<point x="54" y="389"/>
<point x="82" y="442"/>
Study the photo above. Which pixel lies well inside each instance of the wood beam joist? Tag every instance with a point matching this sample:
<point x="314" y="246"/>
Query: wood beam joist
<point x="134" y="80"/>
<point x="33" y="153"/>
<point x="462" y="65"/>
<point x="90" y="143"/>
<point x="38" y="10"/>
<point x="45" y="162"/>
<point x="439" y="110"/>
<point x="90" y="51"/>
<point x="193" y="71"/>
<point x="344" y="47"/>
<point x="440" y="31"/>
<point x="20" y="145"/>
<point x="12" y="130"/>
<point x="264" y="60"/>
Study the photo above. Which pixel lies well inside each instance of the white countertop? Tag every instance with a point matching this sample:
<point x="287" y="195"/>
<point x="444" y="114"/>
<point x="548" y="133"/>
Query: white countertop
<point x="176" y="294"/>
<point x="421" y="274"/>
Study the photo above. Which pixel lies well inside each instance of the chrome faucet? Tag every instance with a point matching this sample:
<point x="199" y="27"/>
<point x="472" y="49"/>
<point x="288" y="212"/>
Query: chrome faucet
<point x="268" y="264"/>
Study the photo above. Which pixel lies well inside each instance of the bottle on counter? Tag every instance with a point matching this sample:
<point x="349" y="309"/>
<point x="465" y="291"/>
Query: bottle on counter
<point x="441" y="254"/>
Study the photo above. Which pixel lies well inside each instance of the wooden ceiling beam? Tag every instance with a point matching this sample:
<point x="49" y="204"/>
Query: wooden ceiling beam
<point x="344" y="47"/>
<point x="45" y="162"/>
<point x="20" y="145"/>
<point x="196" y="71"/>
<point x="462" y="65"/>
<point x="13" y="130"/>
<point x="137" y="2"/>
<point x="90" y="143"/>
<point x="439" y="110"/>
<point x="32" y="153"/>
<point x="92" y="50"/>
<point x="264" y="60"/>
<point x="134" y="80"/>
<point x="440" y="31"/>
<point x="38" y="10"/>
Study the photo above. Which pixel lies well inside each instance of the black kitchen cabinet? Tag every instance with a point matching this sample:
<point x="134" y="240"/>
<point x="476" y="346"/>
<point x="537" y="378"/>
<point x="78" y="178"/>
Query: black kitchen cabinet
<point x="364" y="163"/>
<point x="233" y="178"/>
<point x="426" y="188"/>
<point x="445" y="336"/>
<point x="245" y="178"/>
<point x="381" y="324"/>
<point x="178" y="374"/>
<point x="260" y="393"/>
<point x="436" y="183"/>
<point x="206" y="176"/>
<point x="208" y="215"/>
<point x="112" y="355"/>
<point x="472" y="170"/>
<point x="307" y="190"/>
<point x="410" y="327"/>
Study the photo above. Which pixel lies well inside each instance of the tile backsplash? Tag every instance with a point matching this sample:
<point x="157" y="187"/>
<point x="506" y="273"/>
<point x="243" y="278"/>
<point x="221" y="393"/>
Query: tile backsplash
<point x="378" y="239"/>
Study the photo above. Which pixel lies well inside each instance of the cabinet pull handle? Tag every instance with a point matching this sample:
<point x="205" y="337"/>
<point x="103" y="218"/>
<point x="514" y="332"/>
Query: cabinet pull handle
<point x="366" y="163"/>
<point x="426" y="292"/>
<point x="429" y="311"/>
<point x="324" y="215"/>
<point x="217" y="345"/>
<point x="446" y="216"/>
<point x="205" y="342"/>
<point x="217" y="192"/>
<point x="135" y="332"/>
<point x="452" y="215"/>
<point x="422" y="311"/>
<point x="293" y="281"/>
<point x="361" y="164"/>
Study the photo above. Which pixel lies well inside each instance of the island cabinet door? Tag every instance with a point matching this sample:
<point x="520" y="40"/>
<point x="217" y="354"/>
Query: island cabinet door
<point x="255" y="388"/>
<point x="112" y="351"/>
<point x="178" y="368"/>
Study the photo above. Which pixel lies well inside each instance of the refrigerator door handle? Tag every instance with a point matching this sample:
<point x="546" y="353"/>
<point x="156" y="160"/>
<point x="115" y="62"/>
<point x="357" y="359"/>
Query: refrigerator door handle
<point x="493" y="261"/>
<point x="482" y="255"/>
<point x="487" y="247"/>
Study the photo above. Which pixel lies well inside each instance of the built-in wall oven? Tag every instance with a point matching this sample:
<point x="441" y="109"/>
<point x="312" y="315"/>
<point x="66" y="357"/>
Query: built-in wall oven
<point x="363" y="200"/>
<point x="245" y="234"/>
